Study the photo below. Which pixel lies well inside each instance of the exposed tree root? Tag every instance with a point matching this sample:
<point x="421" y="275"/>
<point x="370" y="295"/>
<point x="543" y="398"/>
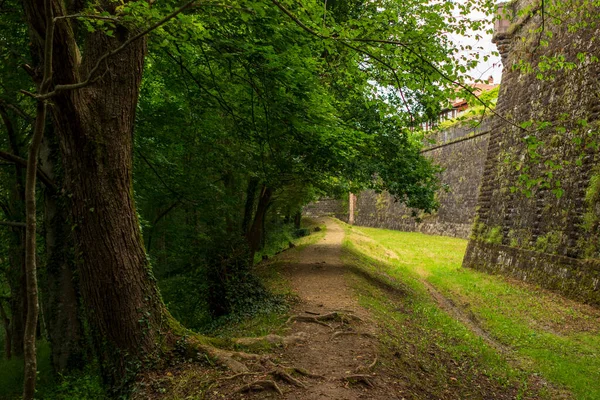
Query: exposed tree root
<point x="239" y="375"/>
<point x="282" y="374"/>
<point x="303" y="372"/>
<point x="312" y="312"/>
<point x="269" y="369"/>
<point x="239" y="362"/>
<point x="272" y="340"/>
<point x="360" y="378"/>
<point x="319" y="319"/>
<point x="368" y="367"/>
<point x="339" y="316"/>
<point x="291" y="370"/>
<point x="229" y="359"/>
<point x="260" y="385"/>
<point x="305" y="318"/>
<point x="278" y="373"/>
<point x="372" y="365"/>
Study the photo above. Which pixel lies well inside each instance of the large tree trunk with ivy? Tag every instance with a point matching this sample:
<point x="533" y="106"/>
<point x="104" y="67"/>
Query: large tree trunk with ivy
<point x="94" y="126"/>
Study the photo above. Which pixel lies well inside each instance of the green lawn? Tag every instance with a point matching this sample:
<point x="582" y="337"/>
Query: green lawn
<point x="551" y="336"/>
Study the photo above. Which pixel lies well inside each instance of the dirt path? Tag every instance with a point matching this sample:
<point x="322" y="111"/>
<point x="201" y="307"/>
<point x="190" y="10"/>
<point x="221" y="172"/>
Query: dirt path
<point x="342" y="354"/>
<point x="330" y="348"/>
<point x="347" y="348"/>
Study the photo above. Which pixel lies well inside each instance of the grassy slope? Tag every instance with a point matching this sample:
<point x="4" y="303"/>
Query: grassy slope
<point x="433" y="355"/>
<point x="555" y="337"/>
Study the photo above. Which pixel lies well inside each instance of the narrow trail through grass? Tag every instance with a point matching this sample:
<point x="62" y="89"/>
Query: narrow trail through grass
<point x="547" y="335"/>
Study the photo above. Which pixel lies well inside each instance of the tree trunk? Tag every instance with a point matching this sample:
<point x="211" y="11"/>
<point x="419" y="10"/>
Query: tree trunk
<point x="94" y="126"/>
<point x="249" y="206"/>
<point x="33" y="307"/>
<point x="254" y="235"/>
<point x="298" y="220"/>
<point x="158" y="218"/>
<point x="18" y="301"/>
<point x="96" y="129"/>
<point x="16" y="246"/>
<point x="263" y="231"/>
<point x="230" y="193"/>
<point x="7" y="332"/>
<point x="61" y="305"/>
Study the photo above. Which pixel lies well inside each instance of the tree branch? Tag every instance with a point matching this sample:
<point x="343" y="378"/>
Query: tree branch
<point x="165" y="212"/>
<point x="180" y="197"/>
<point x="31" y="72"/>
<point x="539" y="39"/>
<point x="157" y="219"/>
<point x="45" y="179"/>
<point x="90" y="78"/>
<point x="87" y="16"/>
<point x="16" y="110"/>
<point x="219" y="99"/>
<point x="397" y="43"/>
<point x="13" y="224"/>
<point x="160" y="178"/>
<point x="392" y="70"/>
<point x="33" y="306"/>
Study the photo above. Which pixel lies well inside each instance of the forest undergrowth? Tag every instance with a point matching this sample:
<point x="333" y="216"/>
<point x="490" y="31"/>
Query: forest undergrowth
<point x="266" y="316"/>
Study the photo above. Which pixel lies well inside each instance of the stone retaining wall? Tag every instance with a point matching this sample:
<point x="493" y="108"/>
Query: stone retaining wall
<point x="538" y="213"/>
<point x="461" y="151"/>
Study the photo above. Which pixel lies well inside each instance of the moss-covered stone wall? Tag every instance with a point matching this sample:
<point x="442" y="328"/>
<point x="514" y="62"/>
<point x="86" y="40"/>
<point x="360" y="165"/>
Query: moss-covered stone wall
<point x="538" y="208"/>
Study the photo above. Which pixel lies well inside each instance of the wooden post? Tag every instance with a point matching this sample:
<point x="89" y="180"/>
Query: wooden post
<point x="351" y="206"/>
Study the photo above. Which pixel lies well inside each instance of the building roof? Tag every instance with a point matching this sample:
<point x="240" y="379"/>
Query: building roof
<point x="478" y="88"/>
